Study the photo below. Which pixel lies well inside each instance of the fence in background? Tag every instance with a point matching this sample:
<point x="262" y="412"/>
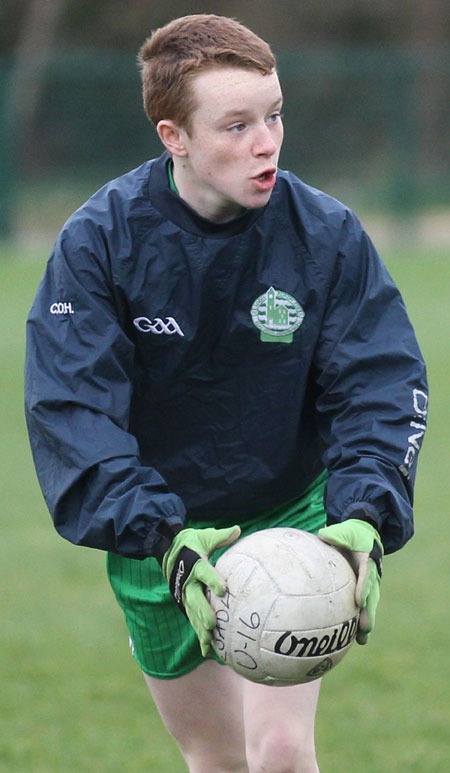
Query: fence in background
<point x="369" y="125"/>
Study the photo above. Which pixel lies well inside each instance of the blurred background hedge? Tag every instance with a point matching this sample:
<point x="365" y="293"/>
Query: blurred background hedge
<point x="366" y="86"/>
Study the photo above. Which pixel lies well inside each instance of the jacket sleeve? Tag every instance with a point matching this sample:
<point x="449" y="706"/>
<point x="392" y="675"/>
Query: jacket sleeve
<point x="78" y="384"/>
<point x="372" y="401"/>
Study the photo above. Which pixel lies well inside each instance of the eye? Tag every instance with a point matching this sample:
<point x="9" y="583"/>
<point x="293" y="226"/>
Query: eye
<point x="237" y="127"/>
<point x="274" y="117"/>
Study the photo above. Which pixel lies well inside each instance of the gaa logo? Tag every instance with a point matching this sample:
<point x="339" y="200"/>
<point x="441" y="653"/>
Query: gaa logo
<point x="158" y="326"/>
<point x="320" y="669"/>
<point x="277" y="315"/>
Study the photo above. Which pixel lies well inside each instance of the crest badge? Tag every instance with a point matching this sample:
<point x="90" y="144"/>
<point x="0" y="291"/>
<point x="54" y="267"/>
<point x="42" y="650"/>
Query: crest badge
<point x="277" y="315"/>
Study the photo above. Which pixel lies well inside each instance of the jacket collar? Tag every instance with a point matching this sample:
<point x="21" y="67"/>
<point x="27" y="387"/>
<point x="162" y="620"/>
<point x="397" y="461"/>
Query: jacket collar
<point x="179" y="212"/>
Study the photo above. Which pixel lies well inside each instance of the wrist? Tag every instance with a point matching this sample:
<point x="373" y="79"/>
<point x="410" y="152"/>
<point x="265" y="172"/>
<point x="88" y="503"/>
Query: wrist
<point x="167" y="533"/>
<point x="362" y="511"/>
<point x="178" y="572"/>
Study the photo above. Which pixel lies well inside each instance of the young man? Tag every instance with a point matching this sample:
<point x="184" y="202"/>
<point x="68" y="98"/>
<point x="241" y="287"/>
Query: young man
<point x="216" y="343"/>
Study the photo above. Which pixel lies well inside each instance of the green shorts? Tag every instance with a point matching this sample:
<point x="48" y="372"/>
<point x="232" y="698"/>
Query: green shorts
<point x="162" y="640"/>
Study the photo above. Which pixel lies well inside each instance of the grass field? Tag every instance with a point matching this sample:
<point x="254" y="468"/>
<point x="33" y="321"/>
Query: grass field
<point x="71" y="697"/>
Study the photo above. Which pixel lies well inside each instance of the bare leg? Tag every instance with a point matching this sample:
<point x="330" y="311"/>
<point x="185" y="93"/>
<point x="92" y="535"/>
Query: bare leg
<point x="203" y="712"/>
<point x="226" y="724"/>
<point x="279" y="727"/>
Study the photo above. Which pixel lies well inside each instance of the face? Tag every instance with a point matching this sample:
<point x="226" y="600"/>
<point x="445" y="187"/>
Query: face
<point x="228" y="161"/>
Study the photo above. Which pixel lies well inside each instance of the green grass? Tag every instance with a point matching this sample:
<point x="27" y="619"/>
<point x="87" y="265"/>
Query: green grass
<point x="71" y="697"/>
<point x="386" y="708"/>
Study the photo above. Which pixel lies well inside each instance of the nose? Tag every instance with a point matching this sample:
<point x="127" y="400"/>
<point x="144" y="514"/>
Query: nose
<point x="264" y="143"/>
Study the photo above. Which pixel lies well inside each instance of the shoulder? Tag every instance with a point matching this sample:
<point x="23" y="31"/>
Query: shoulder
<point x="107" y="213"/>
<point x="322" y="218"/>
<point x="330" y="232"/>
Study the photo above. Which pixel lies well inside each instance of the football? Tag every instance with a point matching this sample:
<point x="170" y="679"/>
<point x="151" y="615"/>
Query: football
<point x="288" y="614"/>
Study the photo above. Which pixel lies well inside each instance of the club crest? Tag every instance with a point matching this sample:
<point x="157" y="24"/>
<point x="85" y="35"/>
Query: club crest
<point x="277" y="315"/>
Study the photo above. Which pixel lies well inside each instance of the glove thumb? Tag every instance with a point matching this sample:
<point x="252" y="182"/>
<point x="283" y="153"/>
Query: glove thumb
<point x="212" y="539"/>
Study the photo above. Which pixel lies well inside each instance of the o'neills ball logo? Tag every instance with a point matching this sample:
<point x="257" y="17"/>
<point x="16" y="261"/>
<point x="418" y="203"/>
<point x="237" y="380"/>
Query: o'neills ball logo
<point x="313" y="646"/>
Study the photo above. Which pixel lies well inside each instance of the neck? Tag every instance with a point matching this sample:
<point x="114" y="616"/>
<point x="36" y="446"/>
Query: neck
<point x="204" y="200"/>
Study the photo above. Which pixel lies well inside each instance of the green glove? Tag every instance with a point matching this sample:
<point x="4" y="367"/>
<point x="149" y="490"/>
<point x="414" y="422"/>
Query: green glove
<point x="186" y="568"/>
<point x="365" y="553"/>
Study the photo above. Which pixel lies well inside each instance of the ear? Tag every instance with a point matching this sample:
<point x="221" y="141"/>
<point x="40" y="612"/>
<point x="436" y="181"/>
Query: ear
<point x="172" y="137"/>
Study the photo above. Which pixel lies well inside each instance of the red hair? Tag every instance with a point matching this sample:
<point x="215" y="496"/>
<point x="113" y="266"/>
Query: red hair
<point x="175" y="53"/>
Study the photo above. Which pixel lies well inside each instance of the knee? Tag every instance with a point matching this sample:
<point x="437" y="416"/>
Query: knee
<point x="203" y="760"/>
<point x="210" y="753"/>
<point x="282" y="750"/>
<point x="203" y="755"/>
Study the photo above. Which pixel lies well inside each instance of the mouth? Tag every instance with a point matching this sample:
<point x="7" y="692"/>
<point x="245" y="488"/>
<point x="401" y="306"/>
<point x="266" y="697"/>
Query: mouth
<point x="266" y="180"/>
<point x="266" y="175"/>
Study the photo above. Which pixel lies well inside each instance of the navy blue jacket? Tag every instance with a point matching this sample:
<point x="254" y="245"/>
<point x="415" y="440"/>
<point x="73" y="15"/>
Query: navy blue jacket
<point x="175" y="365"/>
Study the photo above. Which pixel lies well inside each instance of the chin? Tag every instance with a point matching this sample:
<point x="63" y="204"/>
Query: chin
<point x="256" y="202"/>
<point x="235" y="207"/>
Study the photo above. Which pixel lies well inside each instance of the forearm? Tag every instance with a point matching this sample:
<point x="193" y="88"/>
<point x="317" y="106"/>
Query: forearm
<point x="97" y="499"/>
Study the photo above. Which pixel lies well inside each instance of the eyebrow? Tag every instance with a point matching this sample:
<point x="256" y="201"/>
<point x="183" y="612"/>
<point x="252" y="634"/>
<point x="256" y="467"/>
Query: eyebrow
<point x="235" y="113"/>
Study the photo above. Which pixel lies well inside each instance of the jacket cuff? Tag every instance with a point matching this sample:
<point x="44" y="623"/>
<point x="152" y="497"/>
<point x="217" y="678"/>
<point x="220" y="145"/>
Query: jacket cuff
<point x="160" y="539"/>
<point x="363" y="511"/>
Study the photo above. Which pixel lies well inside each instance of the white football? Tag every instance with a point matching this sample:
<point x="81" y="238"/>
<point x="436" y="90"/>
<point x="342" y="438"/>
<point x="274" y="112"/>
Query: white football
<point x="289" y="614"/>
